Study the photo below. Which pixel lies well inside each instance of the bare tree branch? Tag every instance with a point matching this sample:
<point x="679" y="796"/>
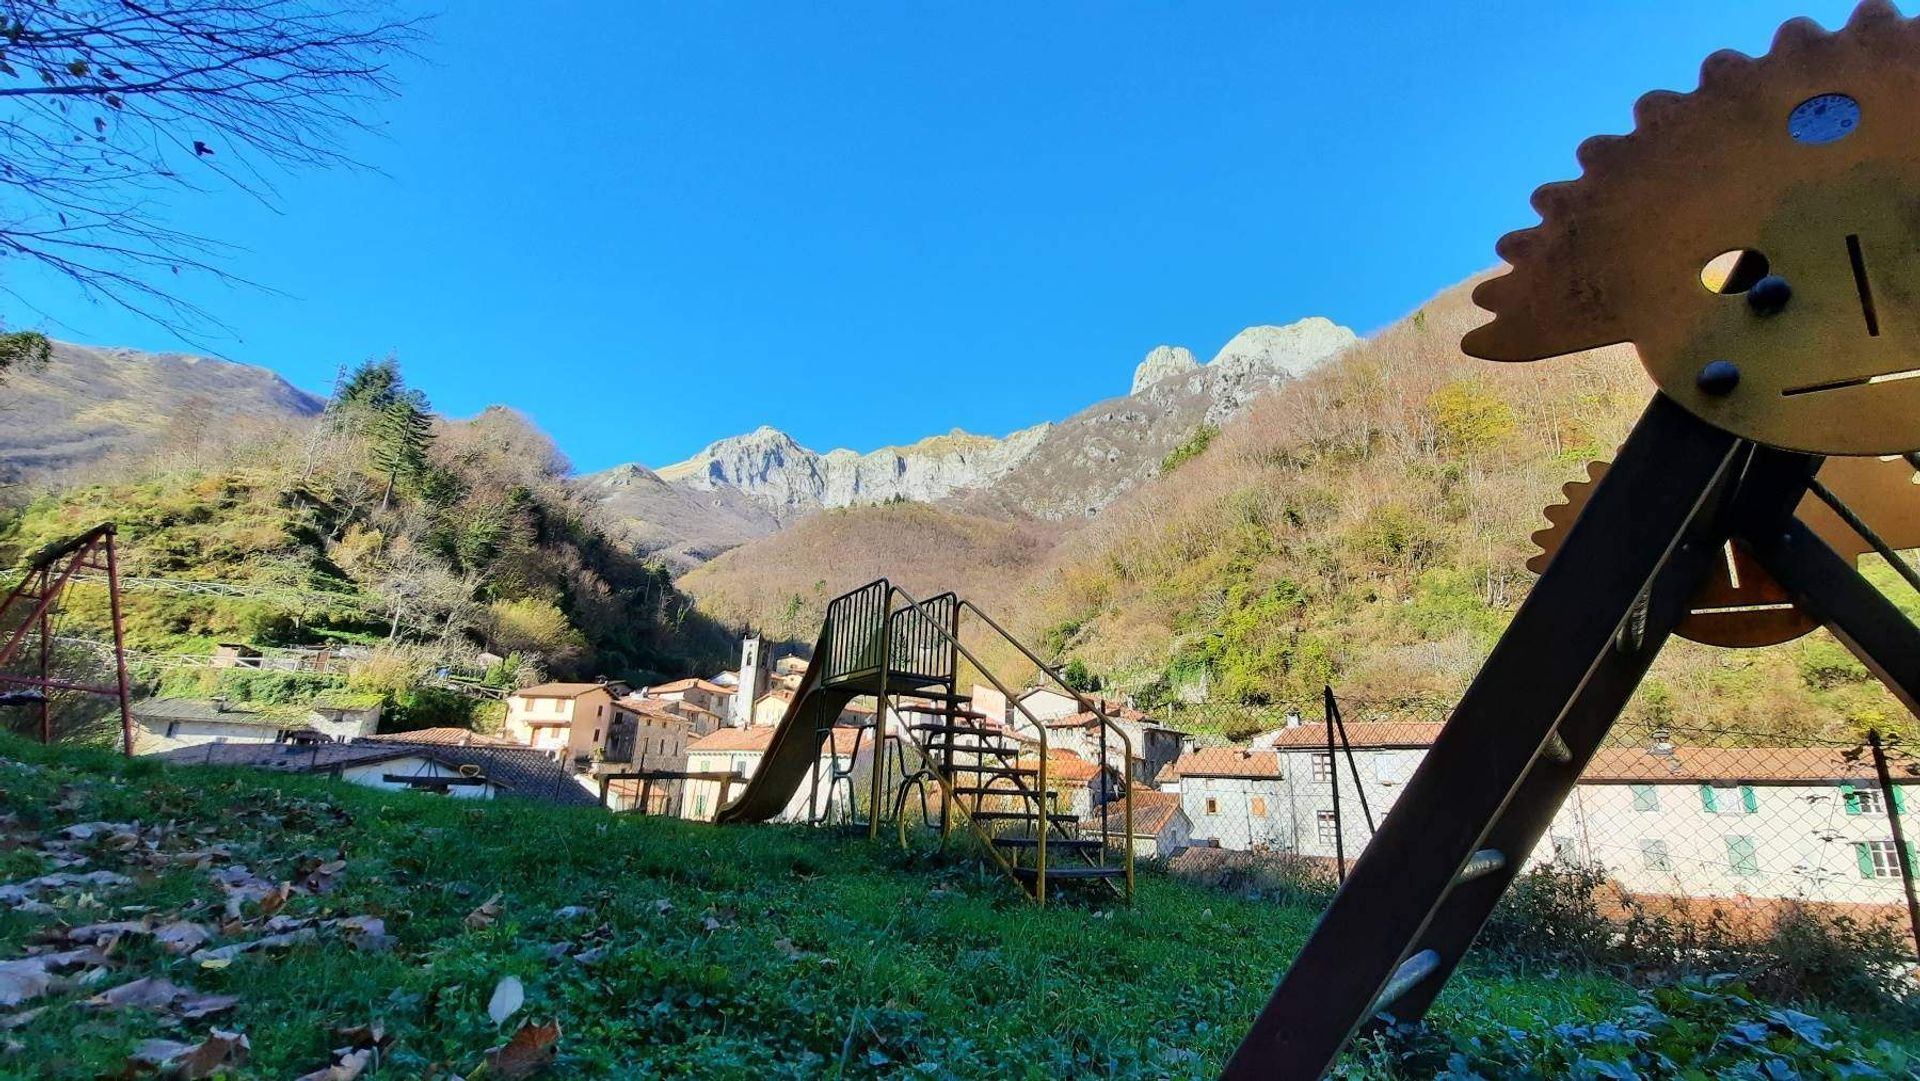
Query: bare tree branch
<point x="107" y="107"/>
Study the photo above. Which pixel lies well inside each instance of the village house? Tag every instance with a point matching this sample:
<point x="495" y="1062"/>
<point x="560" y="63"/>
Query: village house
<point x="738" y="751"/>
<point x="1233" y="797"/>
<point x="1044" y="704"/>
<point x="165" y="724"/>
<point x="1153" y="746"/>
<point x="646" y="734"/>
<point x="703" y="694"/>
<point x="1079" y="785"/>
<point x="1386" y="754"/>
<point x="1770" y="823"/>
<point x="1161" y="827"/>
<point x="770" y="708"/>
<point x="568" y="720"/>
<point x="436" y="764"/>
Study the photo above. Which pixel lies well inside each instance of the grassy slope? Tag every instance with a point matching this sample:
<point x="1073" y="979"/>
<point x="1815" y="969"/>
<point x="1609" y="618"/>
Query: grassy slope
<point x="778" y="953"/>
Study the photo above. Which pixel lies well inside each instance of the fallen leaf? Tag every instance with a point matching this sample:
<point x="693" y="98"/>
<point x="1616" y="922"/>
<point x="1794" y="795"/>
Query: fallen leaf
<point x="531" y="1050"/>
<point x="483" y="917"/>
<point x="204" y="1059"/>
<point x="348" y="1064"/>
<point x="367" y="933"/>
<point x="23" y="980"/>
<point x="588" y="957"/>
<point x="161" y="995"/>
<point x="572" y="912"/>
<point x="20" y="1020"/>
<point x="16" y="894"/>
<point x="663" y="906"/>
<point x="181" y="936"/>
<point x="508" y="997"/>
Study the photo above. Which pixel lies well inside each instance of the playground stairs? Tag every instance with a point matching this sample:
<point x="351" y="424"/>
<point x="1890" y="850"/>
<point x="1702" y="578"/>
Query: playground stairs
<point x="935" y="763"/>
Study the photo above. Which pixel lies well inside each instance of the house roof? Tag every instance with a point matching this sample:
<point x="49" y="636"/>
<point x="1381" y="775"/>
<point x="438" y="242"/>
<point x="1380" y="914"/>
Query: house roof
<point x="1221" y="762"/>
<point x="1760" y="765"/>
<point x="1378" y="735"/>
<point x="734" y="739"/>
<point x="1152" y="811"/>
<point x="688" y="684"/>
<point x="653" y="707"/>
<point x="441" y="737"/>
<point x="514" y="771"/>
<point x="1065" y="766"/>
<point x="760" y="737"/>
<point x="563" y="690"/>
<point x="207" y="712"/>
<point x="782" y="693"/>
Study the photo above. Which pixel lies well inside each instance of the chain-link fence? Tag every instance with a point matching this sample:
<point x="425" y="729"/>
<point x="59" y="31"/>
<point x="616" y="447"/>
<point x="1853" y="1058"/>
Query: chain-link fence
<point x="1692" y="825"/>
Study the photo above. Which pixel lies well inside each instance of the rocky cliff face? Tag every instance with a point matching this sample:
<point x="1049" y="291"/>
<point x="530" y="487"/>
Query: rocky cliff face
<point x="747" y="485"/>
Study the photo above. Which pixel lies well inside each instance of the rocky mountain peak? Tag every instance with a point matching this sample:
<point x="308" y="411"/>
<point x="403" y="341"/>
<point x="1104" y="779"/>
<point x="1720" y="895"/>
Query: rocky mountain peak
<point x="1163" y="362"/>
<point x="1294" y="349"/>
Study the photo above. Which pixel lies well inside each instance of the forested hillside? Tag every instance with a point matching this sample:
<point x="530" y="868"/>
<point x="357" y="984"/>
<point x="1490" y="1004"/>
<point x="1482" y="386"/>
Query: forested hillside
<point x="376" y="523"/>
<point x="1364" y="526"/>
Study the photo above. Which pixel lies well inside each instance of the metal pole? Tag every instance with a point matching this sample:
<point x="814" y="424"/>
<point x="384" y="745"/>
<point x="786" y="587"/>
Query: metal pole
<point x="119" y="645"/>
<point x="1359" y="789"/>
<point x="1333" y="776"/>
<point x="46" y="706"/>
<point x="880" y="722"/>
<point x="1892" y="807"/>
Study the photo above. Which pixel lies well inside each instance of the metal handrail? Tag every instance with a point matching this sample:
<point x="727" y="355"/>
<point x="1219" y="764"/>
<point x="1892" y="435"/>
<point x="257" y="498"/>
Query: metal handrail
<point x="1126" y="744"/>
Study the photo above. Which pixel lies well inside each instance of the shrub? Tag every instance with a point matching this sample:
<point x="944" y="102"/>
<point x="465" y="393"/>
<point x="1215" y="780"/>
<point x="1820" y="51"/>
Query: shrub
<point x="1189" y="449"/>
<point x="1551" y="915"/>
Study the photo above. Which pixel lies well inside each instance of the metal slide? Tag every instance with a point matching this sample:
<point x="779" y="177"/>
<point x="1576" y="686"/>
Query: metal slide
<point x="795" y="748"/>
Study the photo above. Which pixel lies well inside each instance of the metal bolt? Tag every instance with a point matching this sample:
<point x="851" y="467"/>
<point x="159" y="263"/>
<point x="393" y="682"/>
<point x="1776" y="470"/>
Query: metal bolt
<point x="1769" y="295"/>
<point x="1718" y="378"/>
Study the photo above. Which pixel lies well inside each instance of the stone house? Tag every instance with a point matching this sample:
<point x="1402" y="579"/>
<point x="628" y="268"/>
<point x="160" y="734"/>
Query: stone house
<point x="1234" y="798"/>
<point x="646" y="733"/>
<point x="1161" y="827"/>
<point x="165" y="724"/>
<point x="1154" y="746"/>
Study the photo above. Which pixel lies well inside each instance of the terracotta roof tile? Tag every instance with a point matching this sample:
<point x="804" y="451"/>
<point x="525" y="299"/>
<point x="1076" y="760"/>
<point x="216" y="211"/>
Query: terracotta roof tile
<point x="1761" y="765"/>
<point x="562" y="690"/>
<point x="1222" y="762"/>
<point x="1374" y="734"/>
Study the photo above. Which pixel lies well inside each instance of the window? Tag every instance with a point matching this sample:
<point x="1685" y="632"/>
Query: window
<point x="1863" y="801"/>
<point x="1323" y="767"/>
<point x="1742" y="857"/>
<point x="1654" y="856"/>
<point x="700" y="805"/>
<point x="1213" y="806"/>
<point x="1259" y="807"/>
<point x="1326" y="827"/>
<point x="1566" y="850"/>
<point x="1878" y="859"/>
<point x="1729" y="799"/>
<point x="173" y="729"/>
<point x="596" y="735"/>
<point x="1645" y="797"/>
<point x="598" y="710"/>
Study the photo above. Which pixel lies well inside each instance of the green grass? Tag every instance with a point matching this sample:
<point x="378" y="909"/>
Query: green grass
<point x="732" y="952"/>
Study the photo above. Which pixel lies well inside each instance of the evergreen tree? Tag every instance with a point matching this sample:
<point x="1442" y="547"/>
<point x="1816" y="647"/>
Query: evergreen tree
<point x="373" y="385"/>
<point x="402" y="432"/>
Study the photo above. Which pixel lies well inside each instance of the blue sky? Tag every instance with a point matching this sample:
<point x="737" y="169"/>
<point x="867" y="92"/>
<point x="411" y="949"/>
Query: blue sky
<point x="651" y="225"/>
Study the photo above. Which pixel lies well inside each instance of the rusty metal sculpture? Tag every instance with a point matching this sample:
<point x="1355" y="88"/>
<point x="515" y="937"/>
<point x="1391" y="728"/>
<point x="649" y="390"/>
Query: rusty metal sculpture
<point x="1776" y="314"/>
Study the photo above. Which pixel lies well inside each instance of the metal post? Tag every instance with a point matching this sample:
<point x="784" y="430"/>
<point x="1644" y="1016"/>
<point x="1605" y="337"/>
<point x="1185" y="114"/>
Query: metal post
<point x="119" y="645"/>
<point x="1899" y="834"/>
<point x="46" y="703"/>
<point x="1359" y="789"/>
<point x="1333" y="776"/>
<point x="880" y="721"/>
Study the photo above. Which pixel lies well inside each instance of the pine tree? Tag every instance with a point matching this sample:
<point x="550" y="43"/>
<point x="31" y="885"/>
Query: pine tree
<point x="375" y="384"/>
<point x="402" y="433"/>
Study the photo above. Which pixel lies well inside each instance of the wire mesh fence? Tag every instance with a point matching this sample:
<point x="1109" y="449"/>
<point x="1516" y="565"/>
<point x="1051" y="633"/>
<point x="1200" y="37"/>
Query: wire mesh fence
<point x="1696" y="825"/>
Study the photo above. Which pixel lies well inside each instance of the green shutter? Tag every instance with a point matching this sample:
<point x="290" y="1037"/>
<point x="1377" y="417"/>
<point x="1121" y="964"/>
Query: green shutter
<point x="1706" y="798"/>
<point x="1865" y="857"/>
<point x="1899" y="799"/>
<point x="1852" y="798"/>
<point x="1749" y="799"/>
<point x="1742" y="856"/>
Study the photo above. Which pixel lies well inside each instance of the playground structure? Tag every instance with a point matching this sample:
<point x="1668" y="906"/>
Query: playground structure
<point x="30" y="613"/>
<point x="931" y="752"/>
<point x="1794" y="344"/>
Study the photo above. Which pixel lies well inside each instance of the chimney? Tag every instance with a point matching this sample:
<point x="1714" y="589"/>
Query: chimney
<point x="219" y="703"/>
<point x="1293" y="718"/>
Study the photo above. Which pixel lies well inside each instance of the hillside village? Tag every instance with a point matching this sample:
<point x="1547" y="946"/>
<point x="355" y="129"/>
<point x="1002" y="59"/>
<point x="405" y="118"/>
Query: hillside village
<point x="1526" y="719"/>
